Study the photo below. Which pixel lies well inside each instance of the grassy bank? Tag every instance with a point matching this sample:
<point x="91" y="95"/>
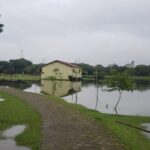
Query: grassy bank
<point x="136" y="77"/>
<point x="14" y="111"/>
<point x="130" y="137"/>
<point x="141" y="78"/>
<point x="17" y="77"/>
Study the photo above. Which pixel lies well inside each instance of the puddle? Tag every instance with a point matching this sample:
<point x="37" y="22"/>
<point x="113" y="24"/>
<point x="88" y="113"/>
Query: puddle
<point x="10" y="144"/>
<point x="147" y="127"/>
<point x="13" y="131"/>
<point x="7" y="141"/>
<point x="2" y="99"/>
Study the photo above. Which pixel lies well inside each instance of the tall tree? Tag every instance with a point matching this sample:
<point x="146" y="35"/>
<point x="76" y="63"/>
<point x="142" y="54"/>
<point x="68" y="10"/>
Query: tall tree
<point x="120" y="82"/>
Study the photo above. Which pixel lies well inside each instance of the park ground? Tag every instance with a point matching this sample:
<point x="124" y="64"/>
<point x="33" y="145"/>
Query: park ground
<point x="55" y="124"/>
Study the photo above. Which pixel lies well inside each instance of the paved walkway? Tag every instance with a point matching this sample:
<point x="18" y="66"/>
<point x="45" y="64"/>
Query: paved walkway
<point x="64" y="128"/>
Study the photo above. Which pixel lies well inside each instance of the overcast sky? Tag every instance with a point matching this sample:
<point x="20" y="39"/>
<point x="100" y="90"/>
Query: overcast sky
<point x="90" y="31"/>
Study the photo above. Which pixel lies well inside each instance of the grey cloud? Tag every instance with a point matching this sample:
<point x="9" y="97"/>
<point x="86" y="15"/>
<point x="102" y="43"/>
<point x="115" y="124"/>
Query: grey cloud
<point x="97" y="31"/>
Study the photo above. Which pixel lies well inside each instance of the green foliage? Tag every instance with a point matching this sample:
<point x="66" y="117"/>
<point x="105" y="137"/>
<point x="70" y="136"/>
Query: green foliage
<point x="87" y="69"/>
<point x="142" y="70"/>
<point x="25" y="66"/>
<point x="19" y="77"/>
<point x="20" y="66"/>
<point x="132" y="138"/>
<point x="14" y="111"/>
<point x="120" y="81"/>
<point x="51" y="78"/>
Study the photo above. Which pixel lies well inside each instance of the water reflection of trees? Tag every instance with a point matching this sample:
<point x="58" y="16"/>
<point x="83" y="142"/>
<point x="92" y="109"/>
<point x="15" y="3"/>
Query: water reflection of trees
<point x="142" y="85"/>
<point x="17" y="84"/>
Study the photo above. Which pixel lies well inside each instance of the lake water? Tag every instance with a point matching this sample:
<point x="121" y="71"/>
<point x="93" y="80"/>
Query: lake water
<point x="87" y="94"/>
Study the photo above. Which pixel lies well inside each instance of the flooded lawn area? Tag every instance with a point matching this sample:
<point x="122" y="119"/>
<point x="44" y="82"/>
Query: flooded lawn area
<point x="147" y="127"/>
<point x="1" y="99"/>
<point x="7" y="138"/>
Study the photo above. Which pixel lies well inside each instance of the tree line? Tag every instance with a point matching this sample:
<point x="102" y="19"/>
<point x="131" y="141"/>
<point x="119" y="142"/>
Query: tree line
<point x="139" y="70"/>
<point x="17" y="66"/>
<point x="20" y="66"/>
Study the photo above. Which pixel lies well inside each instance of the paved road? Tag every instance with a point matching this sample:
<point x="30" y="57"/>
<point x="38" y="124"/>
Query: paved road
<point x="64" y="128"/>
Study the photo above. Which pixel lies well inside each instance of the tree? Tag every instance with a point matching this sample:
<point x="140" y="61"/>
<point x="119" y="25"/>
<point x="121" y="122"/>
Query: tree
<point x="20" y="64"/>
<point x="142" y="70"/>
<point x="120" y="81"/>
<point x="5" y="67"/>
<point x="87" y="69"/>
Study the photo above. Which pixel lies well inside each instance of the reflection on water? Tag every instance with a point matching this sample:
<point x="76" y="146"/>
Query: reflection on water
<point x="131" y="103"/>
<point x="147" y="127"/>
<point x="60" y="88"/>
<point x="34" y="88"/>
<point x="7" y="138"/>
<point x="16" y="84"/>
<point x="142" y="85"/>
<point x="93" y="96"/>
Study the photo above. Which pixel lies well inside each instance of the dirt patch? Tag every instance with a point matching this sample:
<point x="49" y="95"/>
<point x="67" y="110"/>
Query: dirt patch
<point x="66" y="129"/>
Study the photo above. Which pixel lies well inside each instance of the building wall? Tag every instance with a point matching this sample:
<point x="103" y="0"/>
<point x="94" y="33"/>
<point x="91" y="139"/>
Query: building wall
<point x="60" y="71"/>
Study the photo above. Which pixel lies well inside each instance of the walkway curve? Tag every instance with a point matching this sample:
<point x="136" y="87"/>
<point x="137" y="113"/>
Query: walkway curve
<point x="64" y="128"/>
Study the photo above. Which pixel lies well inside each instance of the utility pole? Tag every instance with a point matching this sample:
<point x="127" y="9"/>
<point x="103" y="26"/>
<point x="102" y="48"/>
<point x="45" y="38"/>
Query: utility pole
<point x="1" y="27"/>
<point x="97" y="86"/>
<point x="21" y="54"/>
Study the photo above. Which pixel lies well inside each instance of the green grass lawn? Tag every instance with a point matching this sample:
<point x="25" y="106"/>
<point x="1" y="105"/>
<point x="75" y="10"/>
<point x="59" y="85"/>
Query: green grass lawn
<point x="14" y="111"/>
<point x="132" y="138"/>
<point x="23" y="77"/>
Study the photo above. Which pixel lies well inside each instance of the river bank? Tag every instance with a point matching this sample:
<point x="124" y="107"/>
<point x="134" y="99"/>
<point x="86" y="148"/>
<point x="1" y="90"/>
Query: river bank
<point x="57" y="114"/>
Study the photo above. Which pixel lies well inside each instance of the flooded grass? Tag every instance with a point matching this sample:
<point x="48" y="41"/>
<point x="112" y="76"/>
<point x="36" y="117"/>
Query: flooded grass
<point x="132" y="138"/>
<point x="14" y="111"/>
<point x="147" y="127"/>
<point x="8" y="138"/>
<point x="13" y="131"/>
<point x="2" y="99"/>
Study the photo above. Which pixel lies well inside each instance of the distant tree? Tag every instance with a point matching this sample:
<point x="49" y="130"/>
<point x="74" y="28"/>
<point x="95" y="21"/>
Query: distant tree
<point x="130" y="68"/>
<point x="99" y="72"/>
<point x="142" y="70"/>
<point x="87" y="69"/>
<point x="120" y="82"/>
<point x="5" y="67"/>
<point x="33" y="69"/>
<point x="20" y="64"/>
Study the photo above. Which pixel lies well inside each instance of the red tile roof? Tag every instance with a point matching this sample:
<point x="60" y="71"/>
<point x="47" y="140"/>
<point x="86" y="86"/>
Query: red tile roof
<point x="62" y="62"/>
